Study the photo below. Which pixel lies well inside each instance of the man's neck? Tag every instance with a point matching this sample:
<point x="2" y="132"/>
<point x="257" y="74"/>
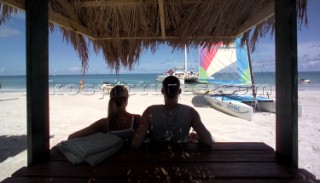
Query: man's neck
<point x="170" y="104"/>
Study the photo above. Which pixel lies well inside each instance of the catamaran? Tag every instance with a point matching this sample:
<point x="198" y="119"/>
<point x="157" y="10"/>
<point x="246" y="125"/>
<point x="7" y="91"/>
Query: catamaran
<point x="184" y="75"/>
<point x="229" y="66"/>
<point x="176" y="71"/>
<point x="190" y="75"/>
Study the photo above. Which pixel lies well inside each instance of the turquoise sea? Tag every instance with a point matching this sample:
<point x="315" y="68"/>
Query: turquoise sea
<point x="140" y="81"/>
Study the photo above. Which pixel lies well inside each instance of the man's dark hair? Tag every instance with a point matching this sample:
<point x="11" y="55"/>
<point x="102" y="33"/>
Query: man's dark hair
<point x="171" y="86"/>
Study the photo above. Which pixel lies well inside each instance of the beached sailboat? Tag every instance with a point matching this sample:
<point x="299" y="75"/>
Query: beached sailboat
<point x="225" y="64"/>
<point x="230" y="106"/>
<point x="230" y="67"/>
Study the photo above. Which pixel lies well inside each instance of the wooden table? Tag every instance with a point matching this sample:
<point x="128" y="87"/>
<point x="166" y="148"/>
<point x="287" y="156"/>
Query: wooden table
<point x="225" y="162"/>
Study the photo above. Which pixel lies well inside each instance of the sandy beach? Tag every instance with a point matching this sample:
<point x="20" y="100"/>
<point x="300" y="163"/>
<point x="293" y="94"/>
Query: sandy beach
<point x="69" y="113"/>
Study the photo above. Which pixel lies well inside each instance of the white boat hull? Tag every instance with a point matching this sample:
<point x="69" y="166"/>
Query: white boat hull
<point x="268" y="105"/>
<point x="191" y="79"/>
<point x="231" y="107"/>
<point x="271" y="107"/>
<point x="263" y="103"/>
<point x="160" y="78"/>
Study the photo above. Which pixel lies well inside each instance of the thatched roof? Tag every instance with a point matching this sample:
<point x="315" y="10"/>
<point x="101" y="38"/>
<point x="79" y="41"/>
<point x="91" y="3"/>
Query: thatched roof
<point x="123" y="29"/>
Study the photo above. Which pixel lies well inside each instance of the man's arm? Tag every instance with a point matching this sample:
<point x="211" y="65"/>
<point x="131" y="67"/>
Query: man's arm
<point x="141" y="132"/>
<point x="203" y="133"/>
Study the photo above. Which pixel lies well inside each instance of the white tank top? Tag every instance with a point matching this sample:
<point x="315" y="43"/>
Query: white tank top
<point x="170" y="126"/>
<point x="126" y="133"/>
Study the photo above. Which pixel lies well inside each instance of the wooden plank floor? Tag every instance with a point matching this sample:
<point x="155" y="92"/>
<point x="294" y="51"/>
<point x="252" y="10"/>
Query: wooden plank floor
<point x="226" y="162"/>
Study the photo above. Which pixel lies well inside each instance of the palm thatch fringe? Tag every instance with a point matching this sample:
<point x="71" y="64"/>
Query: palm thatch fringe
<point x="122" y="30"/>
<point x="6" y="12"/>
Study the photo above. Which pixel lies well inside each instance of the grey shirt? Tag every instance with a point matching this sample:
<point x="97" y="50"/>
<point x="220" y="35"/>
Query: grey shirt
<point x="169" y="126"/>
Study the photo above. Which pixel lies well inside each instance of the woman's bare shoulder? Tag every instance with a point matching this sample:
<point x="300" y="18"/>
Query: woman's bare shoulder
<point x="102" y="120"/>
<point x="137" y="116"/>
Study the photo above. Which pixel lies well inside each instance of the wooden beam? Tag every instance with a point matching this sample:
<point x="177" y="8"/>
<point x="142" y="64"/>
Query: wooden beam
<point x="161" y="37"/>
<point x="286" y="82"/>
<point x="37" y="81"/>
<point x="162" y="22"/>
<point x="106" y="3"/>
<point x="19" y="4"/>
<point x="256" y="19"/>
<point x="69" y="10"/>
<point x="65" y="22"/>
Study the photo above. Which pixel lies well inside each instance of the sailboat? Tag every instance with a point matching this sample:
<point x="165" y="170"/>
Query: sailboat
<point x="229" y="67"/>
<point x="176" y="71"/>
<point x="225" y="64"/>
<point x="181" y="73"/>
<point x="190" y="76"/>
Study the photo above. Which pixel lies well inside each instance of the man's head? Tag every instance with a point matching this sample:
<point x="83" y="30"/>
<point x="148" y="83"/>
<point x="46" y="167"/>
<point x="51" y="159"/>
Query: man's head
<point x="171" y="86"/>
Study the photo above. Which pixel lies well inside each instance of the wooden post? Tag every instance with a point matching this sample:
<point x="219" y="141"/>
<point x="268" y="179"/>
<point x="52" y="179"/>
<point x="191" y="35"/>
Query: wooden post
<point x="286" y="82"/>
<point x="37" y="80"/>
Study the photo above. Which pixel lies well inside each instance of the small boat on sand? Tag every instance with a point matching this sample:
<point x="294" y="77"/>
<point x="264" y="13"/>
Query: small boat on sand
<point x="230" y="106"/>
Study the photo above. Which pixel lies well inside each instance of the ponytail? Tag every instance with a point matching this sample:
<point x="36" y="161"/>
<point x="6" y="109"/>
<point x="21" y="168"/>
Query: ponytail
<point x="112" y="112"/>
<point x="118" y="96"/>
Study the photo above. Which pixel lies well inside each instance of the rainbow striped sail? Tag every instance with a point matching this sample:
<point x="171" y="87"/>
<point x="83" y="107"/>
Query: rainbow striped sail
<point x="224" y="64"/>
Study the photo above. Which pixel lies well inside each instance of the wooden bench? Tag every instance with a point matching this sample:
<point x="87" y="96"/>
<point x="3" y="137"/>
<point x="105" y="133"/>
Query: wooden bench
<point x="225" y="162"/>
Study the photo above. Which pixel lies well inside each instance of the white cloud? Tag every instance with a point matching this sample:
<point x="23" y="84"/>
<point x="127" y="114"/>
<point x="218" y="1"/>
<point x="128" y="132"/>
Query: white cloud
<point x="313" y="63"/>
<point x="74" y="69"/>
<point x="2" y="70"/>
<point x="311" y="49"/>
<point x="263" y="58"/>
<point x="6" y="32"/>
<point x="308" y="56"/>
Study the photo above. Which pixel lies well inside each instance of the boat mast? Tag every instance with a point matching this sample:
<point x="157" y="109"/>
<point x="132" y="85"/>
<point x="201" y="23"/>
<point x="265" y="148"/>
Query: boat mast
<point x="185" y="58"/>
<point x="251" y="73"/>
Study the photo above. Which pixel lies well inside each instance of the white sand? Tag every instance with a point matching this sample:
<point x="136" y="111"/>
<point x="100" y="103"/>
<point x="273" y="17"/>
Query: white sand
<point x="69" y="113"/>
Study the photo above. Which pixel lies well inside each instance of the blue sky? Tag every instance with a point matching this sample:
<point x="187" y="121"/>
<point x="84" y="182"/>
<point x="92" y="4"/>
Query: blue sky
<point x="64" y="60"/>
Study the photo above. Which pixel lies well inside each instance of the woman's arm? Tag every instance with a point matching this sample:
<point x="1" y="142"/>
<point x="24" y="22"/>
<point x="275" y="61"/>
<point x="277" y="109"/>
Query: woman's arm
<point x="137" y="120"/>
<point x="141" y="132"/>
<point x="203" y="133"/>
<point x="98" y="126"/>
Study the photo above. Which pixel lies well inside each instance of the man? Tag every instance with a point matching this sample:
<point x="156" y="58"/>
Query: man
<point x="172" y="121"/>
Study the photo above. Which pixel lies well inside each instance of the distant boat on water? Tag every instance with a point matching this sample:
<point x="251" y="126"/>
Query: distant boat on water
<point x="304" y="81"/>
<point x="190" y="75"/>
<point x="109" y="85"/>
<point x="182" y="73"/>
<point x="176" y="71"/>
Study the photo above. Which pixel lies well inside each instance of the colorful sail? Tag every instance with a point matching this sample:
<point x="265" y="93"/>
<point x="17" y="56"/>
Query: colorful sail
<point x="220" y="60"/>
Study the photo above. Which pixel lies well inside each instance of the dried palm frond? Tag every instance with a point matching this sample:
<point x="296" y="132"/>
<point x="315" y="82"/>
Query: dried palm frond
<point x="6" y="12"/>
<point x="122" y="30"/>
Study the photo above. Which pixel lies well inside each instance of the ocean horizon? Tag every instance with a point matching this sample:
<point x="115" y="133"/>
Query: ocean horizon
<point x="142" y="81"/>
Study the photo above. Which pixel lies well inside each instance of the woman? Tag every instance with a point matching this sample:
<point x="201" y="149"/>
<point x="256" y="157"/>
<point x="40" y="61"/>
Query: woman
<point x="81" y="84"/>
<point x="119" y="121"/>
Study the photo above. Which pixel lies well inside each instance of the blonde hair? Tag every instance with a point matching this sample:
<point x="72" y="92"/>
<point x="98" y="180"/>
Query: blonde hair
<point x="118" y="97"/>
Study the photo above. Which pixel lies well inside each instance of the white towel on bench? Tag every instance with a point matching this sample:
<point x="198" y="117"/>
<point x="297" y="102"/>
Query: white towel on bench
<point x="91" y="149"/>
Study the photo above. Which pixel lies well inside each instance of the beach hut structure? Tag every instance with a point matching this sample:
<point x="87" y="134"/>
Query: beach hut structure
<point x="122" y="30"/>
